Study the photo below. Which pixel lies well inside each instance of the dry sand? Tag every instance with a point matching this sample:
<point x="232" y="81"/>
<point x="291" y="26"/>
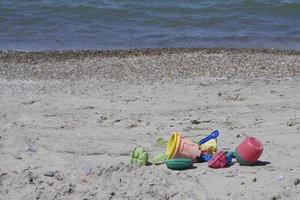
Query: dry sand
<point x="78" y="116"/>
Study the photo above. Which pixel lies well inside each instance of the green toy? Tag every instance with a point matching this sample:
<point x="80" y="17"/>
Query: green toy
<point x="179" y="164"/>
<point x="159" y="159"/>
<point x="139" y="156"/>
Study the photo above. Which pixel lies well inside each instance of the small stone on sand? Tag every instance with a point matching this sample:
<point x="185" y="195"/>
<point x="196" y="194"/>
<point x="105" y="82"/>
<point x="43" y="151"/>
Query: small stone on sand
<point x="297" y="181"/>
<point x="50" y="173"/>
<point x="195" y="121"/>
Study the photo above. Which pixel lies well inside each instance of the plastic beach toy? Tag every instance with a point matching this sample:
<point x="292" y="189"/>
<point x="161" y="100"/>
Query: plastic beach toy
<point x="248" y="152"/>
<point x="179" y="164"/>
<point x="160" y="159"/>
<point x="139" y="156"/>
<point x="218" y="161"/>
<point x="172" y="145"/>
<point x="213" y="135"/>
<point x="209" y="147"/>
<point x="209" y="143"/>
<point x="229" y="156"/>
<point x="205" y="157"/>
<point x="181" y="147"/>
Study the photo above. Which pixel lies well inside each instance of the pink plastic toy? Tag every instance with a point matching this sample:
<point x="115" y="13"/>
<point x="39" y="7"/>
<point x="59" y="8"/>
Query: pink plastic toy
<point x="248" y="152"/>
<point x="187" y="149"/>
<point x="218" y="161"/>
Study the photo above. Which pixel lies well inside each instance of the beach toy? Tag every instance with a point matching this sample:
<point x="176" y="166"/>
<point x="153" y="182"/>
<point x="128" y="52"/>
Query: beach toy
<point x="229" y="156"/>
<point x="213" y="135"/>
<point x="179" y="164"/>
<point x="218" y="161"/>
<point x="181" y="147"/>
<point x="205" y="157"/>
<point x="139" y="156"/>
<point x="172" y="144"/>
<point x="160" y="159"/>
<point x="248" y="152"/>
<point x="161" y="142"/>
<point x="209" y="147"/>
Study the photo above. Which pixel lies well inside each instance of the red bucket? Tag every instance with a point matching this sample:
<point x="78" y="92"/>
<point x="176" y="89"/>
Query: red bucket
<point x="218" y="161"/>
<point x="248" y="152"/>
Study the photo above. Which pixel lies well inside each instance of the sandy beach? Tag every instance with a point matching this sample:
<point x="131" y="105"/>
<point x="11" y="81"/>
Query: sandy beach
<point x="70" y="120"/>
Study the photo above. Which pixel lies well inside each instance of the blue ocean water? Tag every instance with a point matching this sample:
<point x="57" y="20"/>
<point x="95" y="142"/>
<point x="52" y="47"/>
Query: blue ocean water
<point x="121" y="24"/>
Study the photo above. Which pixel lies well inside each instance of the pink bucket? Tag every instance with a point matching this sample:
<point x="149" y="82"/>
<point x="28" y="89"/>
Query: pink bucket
<point x="248" y="152"/>
<point x="187" y="149"/>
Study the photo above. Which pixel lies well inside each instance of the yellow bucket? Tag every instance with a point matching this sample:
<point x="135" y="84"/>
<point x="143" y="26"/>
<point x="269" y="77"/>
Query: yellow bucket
<point x="210" y="147"/>
<point x="172" y="145"/>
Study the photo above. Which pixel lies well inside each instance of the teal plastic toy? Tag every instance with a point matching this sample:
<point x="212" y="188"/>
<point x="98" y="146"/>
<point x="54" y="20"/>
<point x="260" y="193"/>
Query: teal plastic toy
<point x="179" y="164"/>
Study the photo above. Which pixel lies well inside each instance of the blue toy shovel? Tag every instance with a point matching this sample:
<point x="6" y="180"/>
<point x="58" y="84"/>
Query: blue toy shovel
<point x="213" y="135"/>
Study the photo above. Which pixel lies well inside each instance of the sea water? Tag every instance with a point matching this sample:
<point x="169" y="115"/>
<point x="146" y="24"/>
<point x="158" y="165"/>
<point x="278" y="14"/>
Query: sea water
<point x="123" y="24"/>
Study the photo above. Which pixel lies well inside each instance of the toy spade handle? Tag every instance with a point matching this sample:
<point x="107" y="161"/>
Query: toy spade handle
<point x="213" y="135"/>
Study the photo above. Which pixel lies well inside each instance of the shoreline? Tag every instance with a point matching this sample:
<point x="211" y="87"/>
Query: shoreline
<point x="150" y="64"/>
<point x="71" y="54"/>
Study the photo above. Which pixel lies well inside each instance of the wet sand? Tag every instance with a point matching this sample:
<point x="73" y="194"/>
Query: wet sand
<point x="69" y="121"/>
